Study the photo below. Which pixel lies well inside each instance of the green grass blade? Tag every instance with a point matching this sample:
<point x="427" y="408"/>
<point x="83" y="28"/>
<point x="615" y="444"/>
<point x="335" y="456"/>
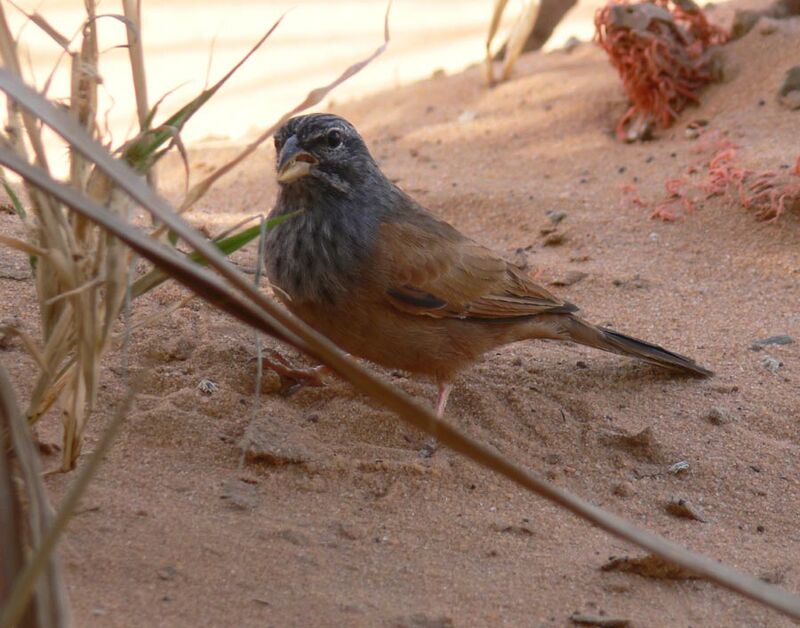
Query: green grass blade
<point x="141" y="153"/>
<point x="17" y="205"/>
<point x="15" y="202"/>
<point x="227" y="246"/>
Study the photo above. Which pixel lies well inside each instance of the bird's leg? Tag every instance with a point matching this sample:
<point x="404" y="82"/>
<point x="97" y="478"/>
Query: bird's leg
<point x="441" y="403"/>
<point x="444" y="395"/>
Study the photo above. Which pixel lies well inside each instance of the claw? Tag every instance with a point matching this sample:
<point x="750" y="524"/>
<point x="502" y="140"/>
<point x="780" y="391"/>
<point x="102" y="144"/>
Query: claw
<point x="293" y="377"/>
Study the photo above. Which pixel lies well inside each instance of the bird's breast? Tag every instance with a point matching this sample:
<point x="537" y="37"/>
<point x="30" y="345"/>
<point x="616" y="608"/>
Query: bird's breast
<point x="313" y="259"/>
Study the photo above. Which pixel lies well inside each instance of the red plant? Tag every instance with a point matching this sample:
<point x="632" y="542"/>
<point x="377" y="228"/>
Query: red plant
<point x="768" y="192"/>
<point x="663" y="56"/>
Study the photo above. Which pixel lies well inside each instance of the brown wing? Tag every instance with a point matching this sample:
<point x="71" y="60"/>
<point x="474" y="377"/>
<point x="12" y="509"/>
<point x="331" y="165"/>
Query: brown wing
<point x="432" y="270"/>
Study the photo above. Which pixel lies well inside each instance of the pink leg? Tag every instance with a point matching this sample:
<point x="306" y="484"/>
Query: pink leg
<point x="444" y="395"/>
<point x="441" y="403"/>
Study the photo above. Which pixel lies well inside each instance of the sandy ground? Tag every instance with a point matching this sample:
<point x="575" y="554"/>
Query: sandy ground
<point x="335" y="520"/>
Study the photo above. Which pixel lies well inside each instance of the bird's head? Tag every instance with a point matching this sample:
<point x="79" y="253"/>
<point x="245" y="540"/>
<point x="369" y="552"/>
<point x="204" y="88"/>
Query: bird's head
<point x="321" y="152"/>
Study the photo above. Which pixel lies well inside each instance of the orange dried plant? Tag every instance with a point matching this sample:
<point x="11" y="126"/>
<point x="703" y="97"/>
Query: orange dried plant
<point x="664" y="53"/>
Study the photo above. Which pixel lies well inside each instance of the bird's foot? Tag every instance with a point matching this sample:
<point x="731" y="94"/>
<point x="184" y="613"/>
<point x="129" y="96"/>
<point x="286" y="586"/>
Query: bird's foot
<point x="293" y="377"/>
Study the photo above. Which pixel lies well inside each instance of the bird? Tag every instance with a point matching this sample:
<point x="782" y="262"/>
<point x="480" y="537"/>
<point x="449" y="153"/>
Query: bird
<point x="363" y="263"/>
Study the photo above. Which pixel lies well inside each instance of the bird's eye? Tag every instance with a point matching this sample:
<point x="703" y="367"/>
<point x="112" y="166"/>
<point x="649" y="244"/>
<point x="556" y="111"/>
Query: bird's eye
<point x="278" y="144"/>
<point x="334" y="138"/>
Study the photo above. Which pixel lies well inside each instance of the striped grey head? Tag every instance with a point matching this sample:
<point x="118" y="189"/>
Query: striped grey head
<point x="321" y="151"/>
<point x="329" y="179"/>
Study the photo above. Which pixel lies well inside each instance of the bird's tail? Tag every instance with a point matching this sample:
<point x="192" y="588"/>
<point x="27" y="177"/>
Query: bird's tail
<point x="606" y="339"/>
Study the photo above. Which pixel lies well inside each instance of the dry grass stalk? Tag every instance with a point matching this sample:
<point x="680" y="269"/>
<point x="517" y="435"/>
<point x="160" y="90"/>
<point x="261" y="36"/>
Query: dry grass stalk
<point x="516" y="41"/>
<point x="314" y="97"/>
<point x="76" y="254"/>
<point x="232" y="292"/>
<point x="11" y="509"/>
<point x="133" y="30"/>
<point x="81" y="274"/>
<point x="64" y="265"/>
<point x="132" y="10"/>
<point x="24" y="522"/>
<point x="81" y="271"/>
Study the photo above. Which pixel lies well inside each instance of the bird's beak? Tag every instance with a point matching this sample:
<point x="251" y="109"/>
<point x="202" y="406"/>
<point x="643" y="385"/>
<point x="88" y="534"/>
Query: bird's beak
<point x="293" y="161"/>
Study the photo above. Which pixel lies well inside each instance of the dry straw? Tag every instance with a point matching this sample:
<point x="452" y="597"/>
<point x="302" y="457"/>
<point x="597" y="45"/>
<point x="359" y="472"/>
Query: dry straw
<point x="516" y="41"/>
<point x="25" y="518"/>
<point x="82" y="284"/>
<point x="81" y="271"/>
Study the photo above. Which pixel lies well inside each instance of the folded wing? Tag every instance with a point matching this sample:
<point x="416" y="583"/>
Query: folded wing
<point x="440" y="273"/>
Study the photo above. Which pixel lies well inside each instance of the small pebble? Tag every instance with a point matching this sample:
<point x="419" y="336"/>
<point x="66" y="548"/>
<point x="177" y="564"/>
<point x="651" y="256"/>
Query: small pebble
<point x="554" y="239"/>
<point x="569" y="278"/>
<point x="555" y="216"/>
<point x="207" y="386"/>
<point x="623" y="489"/>
<point x="467" y="116"/>
<point x="571" y="43"/>
<point x="789" y="89"/>
<point x="679" y="467"/>
<point x="520" y="258"/>
<point x="679" y="507"/>
<point x="773" y="365"/>
<point x="773" y="340"/>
